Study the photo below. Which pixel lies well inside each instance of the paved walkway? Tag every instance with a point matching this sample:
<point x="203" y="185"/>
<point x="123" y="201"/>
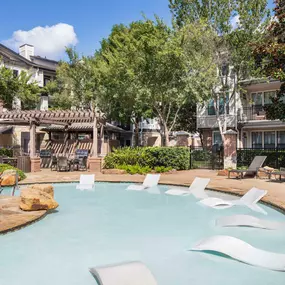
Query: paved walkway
<point x="275" y="196"/>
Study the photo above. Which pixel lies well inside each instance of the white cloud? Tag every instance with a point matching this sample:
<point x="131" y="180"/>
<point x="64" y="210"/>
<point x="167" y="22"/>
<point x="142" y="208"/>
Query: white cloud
<point x="49" y="41"/>
<point x="235" y="21"/>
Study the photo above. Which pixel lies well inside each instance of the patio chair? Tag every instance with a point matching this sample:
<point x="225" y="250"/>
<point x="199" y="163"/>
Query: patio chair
<point x="86" y="182"/>
<point x="252" y="169"/>
<point x="248" y="221"/>
<point x="249" y="199"/>
<point x="63" y="164"/>
<point x="53" y="163"/>
<point x="82" y="163"/>
<point x="149" y="181"/>
<point x="242" y="251"/>
<point x="134" y="273"/>
<point x="197" y="188"/>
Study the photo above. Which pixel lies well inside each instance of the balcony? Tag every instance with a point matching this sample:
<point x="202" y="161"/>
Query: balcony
<point x="253" y="113"/>
<point x="210" y="122"/>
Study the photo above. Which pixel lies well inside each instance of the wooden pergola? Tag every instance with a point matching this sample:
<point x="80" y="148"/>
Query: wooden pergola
<point x="35" y="118"/>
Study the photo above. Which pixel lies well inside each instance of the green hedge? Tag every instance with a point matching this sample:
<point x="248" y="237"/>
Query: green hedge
<point x="4" y="167"/>
<point x="6" y="152"/>
<point x="275" y="158"/>
<point x="168" y="157"/>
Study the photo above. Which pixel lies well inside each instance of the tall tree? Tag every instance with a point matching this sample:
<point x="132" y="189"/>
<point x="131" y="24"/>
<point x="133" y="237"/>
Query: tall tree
<point x="235" y="23"/>
<point x="270" y="57"/>
<point x="151" y="73"/>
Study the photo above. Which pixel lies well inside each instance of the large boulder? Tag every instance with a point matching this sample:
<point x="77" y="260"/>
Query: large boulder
<point x="8" y="178"/>
<point x="34" y="199"/>
<point x="47" y="188"/>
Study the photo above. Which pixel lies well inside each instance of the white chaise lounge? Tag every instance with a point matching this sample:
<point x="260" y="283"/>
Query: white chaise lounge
<point x="86" y="182"/>
<point x="131" y="273"/>
<point x="149" y="181"/>
<point x="249" y="199"/>
<point x="242" y="251"/>
<point x="248" y="221"/>
<point x="197" y="188"/>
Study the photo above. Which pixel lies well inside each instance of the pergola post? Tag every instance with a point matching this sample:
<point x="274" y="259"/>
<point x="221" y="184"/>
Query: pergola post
<point x="95" y="161"/>
<point x="95" y="137"/>
<point x="35" y="161"/>
<point x="102" y="151"/>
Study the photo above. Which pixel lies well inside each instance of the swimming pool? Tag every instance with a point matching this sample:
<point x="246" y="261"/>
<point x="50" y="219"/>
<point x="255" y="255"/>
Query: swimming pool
<point x="112" y="225"/>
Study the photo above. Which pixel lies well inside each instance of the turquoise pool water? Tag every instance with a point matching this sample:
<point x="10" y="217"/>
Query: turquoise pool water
<point x="112" y="225"/>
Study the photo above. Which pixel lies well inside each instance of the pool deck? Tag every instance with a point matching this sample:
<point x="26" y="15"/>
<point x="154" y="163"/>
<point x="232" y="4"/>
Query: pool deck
<point x="11" y="217"/>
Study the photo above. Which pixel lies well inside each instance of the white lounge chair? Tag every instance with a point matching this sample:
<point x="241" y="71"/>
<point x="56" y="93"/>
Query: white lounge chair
<point x="197" y="188"/>
<point x="248" y="221"/>
<point x="242" y="251"/>
<point x="249" y="199"/>
<point x="86" y="182"/>
<point x="149" y="181"/>
<point x="131" y="273"/>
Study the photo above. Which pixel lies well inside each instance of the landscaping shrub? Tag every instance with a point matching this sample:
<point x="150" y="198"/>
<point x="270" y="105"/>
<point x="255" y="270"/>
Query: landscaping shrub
<point x="275" y="158"/>
<point x="152" y="157"/>
<point x="135" y="169"/>
<point x="6" y="152"/>
<point x="4" y="167"/>
<point x="162" y="169"/>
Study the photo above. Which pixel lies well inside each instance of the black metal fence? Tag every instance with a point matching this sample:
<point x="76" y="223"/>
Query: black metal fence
<point x="204" y="158"/>
<point x="275" y="156"/>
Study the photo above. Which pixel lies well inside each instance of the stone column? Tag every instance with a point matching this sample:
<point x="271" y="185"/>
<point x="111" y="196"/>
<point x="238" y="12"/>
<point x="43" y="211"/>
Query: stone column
<point x="35" y="161"/>
<point x="95" y="162"/>
<point x="230" y="149"/>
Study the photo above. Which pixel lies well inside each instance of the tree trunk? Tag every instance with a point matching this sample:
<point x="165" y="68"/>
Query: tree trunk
<point x="136" y="135"/>
<point x="164" y="134"/>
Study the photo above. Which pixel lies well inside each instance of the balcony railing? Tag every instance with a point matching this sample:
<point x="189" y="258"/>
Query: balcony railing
<point x="253" y="113"/>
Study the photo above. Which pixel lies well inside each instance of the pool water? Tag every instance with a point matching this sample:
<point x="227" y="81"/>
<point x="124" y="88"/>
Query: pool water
<point x="111" y="225"/>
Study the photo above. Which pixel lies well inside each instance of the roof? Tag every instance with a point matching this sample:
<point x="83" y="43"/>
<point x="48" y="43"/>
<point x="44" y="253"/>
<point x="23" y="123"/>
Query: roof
<point x="83" y="127"/>
<point x="35" y="62"/>
<point x="47" y="117"/>
<point x="253" y="81"/>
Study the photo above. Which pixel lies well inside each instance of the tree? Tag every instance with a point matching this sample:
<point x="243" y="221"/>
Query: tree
<point x="75" y="84"/>
<point x="270" y="58"/>
<point x="229" y="46"/>
<point x="118" y="90"/>
<point x="18" y="87"/>
<point x="150" y="68"/>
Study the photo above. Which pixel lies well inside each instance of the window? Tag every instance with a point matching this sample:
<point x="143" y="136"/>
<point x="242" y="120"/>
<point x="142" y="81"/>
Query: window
<point x="217" y="138"/>
<point x="256" y="138"/>
<point x="281" y="139"/>
<point x="15" y="73"/>
<point x="46" y="80"/>
<point x="268" y="96"/>
<point x="257" y="99"/>
<point x="269" y="139"/>
<point x="211" y="106"/>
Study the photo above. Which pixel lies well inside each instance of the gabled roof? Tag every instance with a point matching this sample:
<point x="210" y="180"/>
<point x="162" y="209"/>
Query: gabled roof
<point x="36" y="61"/>
<point x="13" y="56"/>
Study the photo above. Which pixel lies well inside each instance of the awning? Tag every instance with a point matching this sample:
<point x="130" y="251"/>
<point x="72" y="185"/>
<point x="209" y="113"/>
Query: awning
<point x="6" y="130"/>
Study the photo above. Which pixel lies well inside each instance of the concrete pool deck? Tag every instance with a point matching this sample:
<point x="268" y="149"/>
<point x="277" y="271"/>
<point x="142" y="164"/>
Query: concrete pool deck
<point x="275" y="196"/>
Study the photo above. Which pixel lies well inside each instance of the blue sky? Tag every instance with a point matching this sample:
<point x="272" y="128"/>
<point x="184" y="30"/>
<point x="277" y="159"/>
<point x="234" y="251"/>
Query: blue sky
<point x="85" y="22"/>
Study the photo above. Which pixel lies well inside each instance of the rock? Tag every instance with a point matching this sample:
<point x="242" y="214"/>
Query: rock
<point x="8" y="180"/>
<point x="9" y="172"/>
<point x="34" y="200"/>
<point x="114" y="171"/>
<point x="47" y="188"/>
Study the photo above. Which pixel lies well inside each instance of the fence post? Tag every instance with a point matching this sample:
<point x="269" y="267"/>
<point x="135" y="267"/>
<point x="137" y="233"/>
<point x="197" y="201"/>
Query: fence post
<point x="190" y="167"/>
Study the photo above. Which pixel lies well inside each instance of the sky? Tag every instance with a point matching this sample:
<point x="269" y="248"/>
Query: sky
<point x="54" y="24"/>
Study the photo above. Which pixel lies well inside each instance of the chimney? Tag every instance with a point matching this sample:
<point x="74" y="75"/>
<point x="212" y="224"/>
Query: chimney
<point x="27" y="51"/>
